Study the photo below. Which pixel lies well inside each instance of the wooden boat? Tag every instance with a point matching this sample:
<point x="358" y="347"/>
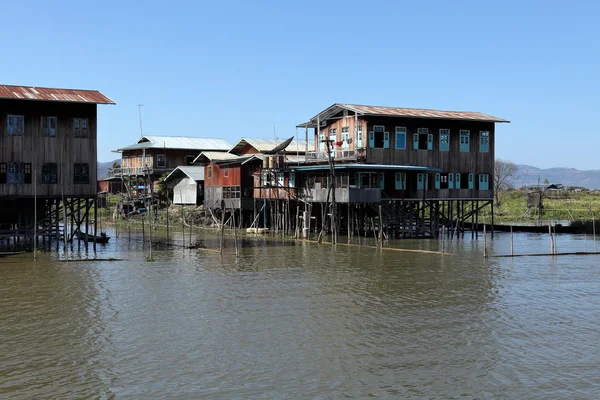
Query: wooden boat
<point x="102" y="238"/>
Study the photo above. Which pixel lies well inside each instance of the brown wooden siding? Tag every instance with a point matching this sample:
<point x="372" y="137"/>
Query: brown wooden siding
<point x="64" y="149"/>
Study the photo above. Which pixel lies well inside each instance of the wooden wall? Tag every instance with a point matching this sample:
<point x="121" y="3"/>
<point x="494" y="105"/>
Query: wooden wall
<point x="64" y="149"/>
<point x="175" y="158"/>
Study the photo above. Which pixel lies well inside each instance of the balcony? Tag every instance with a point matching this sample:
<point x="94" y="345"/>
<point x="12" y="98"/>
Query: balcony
<point x="316" y="156"/>
<point x="130" y="171"/>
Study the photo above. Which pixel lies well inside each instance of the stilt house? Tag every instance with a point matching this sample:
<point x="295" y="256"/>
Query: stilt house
<point x="48" y="140"/>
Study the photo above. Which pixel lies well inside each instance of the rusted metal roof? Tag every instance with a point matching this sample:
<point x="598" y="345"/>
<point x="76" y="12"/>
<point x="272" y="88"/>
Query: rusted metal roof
<point x="267" y="145"/>
<point x="401" y="112"/>
<point x="52" y="94"/>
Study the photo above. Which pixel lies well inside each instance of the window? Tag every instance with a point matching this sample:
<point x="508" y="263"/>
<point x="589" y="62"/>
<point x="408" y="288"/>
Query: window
<point x="231" y="192"/>
<point x="15" y="125"/>
<point x="463" y="181"/>
<point x="378" y="138"/>
<point x="161" y="161"/>
<point x="2" y="172"/>
<point x="280" y="179"/>
<point x="226" y="172"/>
<point x="465" y="140"/>
<point x="422" y="140"/>
<point x="80" y="127"/>
<point x="484" y="141"/>
<point x="345" y="137"/>
<point x="140" y="161"/>
<point x="400" y="137"/>
<point x="422" y="182"/>
<point x="444" y="139"/>
<point x="81" y="174"/>
<point x="359" y="136"/>
<point x="49" y="126"/>
<point x="189" y="160"/>
<point x="400" y="180"/>
<point x="124" y="161"/>
<point x="484" y="182"/>
<point x="49" y="173"/>
<point x="14" y="173"/>
<point x="27" y="172"/>
<point x="292" y="180"/>
<point x="382" y="180"/>
<point x="444" y="181"/>
<point x="322" y="139"/>
<point x="209" y="171"/>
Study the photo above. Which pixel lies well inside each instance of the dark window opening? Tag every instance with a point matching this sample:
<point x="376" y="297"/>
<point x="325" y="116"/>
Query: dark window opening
<point x="27" y="172"/>
<point x="422" y="142"/>
<point x="81" y="174"/>
<point x="378" y="143"/>
<point x="463" y="181"/>
<point x="2" y="172"/>
<point x="444" y="181"/>
<point x="189" y="160"/>
<point x="49" y="173"/>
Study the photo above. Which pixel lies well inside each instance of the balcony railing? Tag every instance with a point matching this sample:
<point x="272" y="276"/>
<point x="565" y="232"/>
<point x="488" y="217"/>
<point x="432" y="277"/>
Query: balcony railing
<point x="130" y="171"/>
<point x="336" y="154"/>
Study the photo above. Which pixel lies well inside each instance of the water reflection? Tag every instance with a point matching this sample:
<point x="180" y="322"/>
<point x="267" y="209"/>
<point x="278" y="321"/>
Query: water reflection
<point x="299" y="320"/>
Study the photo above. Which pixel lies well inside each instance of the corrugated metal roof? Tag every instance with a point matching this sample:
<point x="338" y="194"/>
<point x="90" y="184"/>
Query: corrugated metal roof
<point x="402" y="112"/>
<point x="218" y="156"/>
<point x="194" y="172"/>
<point x="372" y="167"/>
<point x="178" y="142"/>
<point x="266" y="144"/>
<point x="421" y="113"/>
<point x="53" y="94"/>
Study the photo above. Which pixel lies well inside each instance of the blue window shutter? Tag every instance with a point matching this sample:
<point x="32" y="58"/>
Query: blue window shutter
<point x="371" y="139"/>
<point x="400" y="181"/>
<point x="484" y="141"/>
<point x="419" y="181"/>
<point x="292" y="181"/>
<point x="470" y="181"/>
<point x="386" y="140"/>
<point x="11" y="175"/>
<point x="457" y="180"/>
<point x="400" y="140"/>
<point x="426" y="179"/>
<point x="416" y="141"/>
<point x="437" y="181"/>
<point x="358" y="179"/>
<point x="483" y="182"/>
<point x="382" y="180"/>
<point x="430" y="141"/>
<point x="451" y="181"/>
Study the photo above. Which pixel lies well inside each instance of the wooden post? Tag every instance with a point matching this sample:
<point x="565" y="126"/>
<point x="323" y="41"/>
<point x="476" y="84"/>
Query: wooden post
<point x="443" y="238"/>
<point x="95" y="221"/>
<point x="550" y="235"/>
<point x="237" y="255"/>
<point x="512" y="252"/>
<point x="168" y="206"/>
<point x="492" y="203"/>
<point x="34" y="216"/>
<point x="222" y="226"/>
<point x="380" y="227"/>
<point x="484" y="242"/>
<point x="182" y="226"/>
<point x="594" y="231"/>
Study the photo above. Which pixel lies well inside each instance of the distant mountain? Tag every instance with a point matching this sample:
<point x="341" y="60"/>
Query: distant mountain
<point x="530" y="175"/>
<point x="103" y="168"/>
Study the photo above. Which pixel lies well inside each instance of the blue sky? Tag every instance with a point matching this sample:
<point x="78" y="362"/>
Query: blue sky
<point x="239" y="68"/>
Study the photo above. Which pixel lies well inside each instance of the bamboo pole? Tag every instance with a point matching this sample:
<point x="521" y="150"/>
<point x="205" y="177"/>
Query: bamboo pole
<point x="380" y="227"/>
<point x="550" y="236"/>
<point x="512" y="251"/>
<point x="485" y="254"/>
<point x="235" y="239"/>
<point x="594" y="231"/>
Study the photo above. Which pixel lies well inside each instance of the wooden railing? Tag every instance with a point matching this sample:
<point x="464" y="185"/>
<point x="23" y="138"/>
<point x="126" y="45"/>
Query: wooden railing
<point x="130" y="171"/>
<point x="336" y="154"/>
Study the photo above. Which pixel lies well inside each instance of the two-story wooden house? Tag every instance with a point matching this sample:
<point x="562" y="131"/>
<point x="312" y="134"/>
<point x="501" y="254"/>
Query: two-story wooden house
<point x="154" y="156"/>
<point x="430" y="162"/>
<point x="47" y="152"/>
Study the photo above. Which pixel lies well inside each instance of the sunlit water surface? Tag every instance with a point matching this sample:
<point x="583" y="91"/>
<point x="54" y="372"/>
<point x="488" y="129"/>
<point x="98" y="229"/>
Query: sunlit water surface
<point x="300" y="320"/>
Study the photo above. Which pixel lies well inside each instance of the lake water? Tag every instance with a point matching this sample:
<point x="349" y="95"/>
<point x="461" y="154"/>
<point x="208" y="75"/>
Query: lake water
<point x="299" y="320"/>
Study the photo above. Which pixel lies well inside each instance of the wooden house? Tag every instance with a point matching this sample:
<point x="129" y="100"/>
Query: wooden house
<point x="186" y="183"/>
<point x="156" y="155"/>
<point x="426" y="162"/>
<point x="48" y="151"/>
<point x="111" y="185"/>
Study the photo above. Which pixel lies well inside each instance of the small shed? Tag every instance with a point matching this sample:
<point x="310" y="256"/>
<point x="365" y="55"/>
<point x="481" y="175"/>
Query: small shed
<point x="111" y="185"/>
<point x="187" y="183"/>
